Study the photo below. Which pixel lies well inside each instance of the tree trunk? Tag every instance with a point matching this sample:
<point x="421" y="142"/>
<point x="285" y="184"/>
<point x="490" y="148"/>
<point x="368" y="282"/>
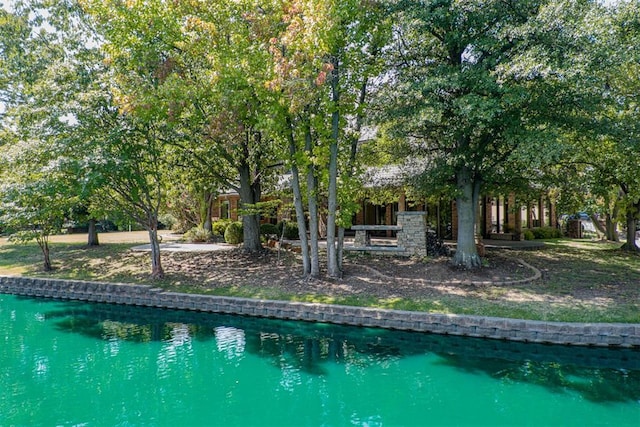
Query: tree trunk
<point x="600" y="230"/>
<point x="92" y="238"/>
<point x="207" y="211"/>
<point x="466" y="255"/>
<point x="340" y="247"/>
<point x="332" y="260"/>
<point x="355" y="137"/>
<point x="312" y="197"/>
<point x="302" y="227"/>
<point x="156" y="265"/>
<point x="249" y="196"/>
<point x="612" y="223"/>
<point x="47" y="258"/>
<point x="631" y="245"/>
<point x="297" y="202"/>
<point x="43" y="242"/>
<point x="611" y="228"/>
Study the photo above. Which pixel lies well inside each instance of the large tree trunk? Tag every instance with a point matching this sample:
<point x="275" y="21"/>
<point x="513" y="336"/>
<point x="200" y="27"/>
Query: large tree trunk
<point x="249" y="196"/>
<point x="611" y="228"/>
<point x="92" y="237"/>
<point x="631" y="245"/>
<point x="156" y="265"/>
<point x="312" y="197"/>
<point x="600" y="230"/>
<point x="466" y="255"/>
<point x="207" y="211"/>
<point x="612" y="223"/>
<point x="297" y="202"/>
<point x="333" y="269"/>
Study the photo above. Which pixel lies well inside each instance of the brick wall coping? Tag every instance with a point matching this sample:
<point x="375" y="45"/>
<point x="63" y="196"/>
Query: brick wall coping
<point x="581" y="334"/>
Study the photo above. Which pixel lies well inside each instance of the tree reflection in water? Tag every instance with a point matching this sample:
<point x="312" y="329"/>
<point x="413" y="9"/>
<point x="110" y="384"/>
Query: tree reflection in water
<point x="599" y="375"/>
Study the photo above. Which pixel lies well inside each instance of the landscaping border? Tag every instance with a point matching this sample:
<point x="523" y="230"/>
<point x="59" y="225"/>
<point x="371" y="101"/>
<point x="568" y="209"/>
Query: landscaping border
<point x="581" y="334"/>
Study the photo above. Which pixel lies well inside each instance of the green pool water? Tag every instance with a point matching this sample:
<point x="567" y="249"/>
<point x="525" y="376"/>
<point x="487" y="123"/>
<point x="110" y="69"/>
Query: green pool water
<point x="76" y="364"/>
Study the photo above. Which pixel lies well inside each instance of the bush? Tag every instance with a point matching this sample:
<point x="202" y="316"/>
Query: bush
<point x="528" y="235"/>
<point x="269" y="230"/>
<point x="233" y="233"/>
<point x="170" y="222"/>
<point x="546" y="233"/>
<point x="198" y="235"/>
<point x="290" y="230"/>
<point x="220" y="226"/>
<point x="436" y="246"/>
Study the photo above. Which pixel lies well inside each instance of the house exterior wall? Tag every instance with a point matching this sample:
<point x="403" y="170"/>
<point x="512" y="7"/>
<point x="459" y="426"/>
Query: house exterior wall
<point x="496" y="213"/>
<point x="226" y="206"/>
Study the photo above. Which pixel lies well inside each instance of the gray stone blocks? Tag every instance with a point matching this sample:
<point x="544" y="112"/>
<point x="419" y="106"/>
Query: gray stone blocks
<point x="583" y="334"/>
<point x="413" y="236"/>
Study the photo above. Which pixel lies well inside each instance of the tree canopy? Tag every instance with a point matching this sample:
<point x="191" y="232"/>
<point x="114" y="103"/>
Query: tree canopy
<point x="120" y="104"/>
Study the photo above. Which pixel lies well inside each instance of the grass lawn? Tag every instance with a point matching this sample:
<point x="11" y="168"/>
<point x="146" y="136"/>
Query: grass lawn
<point x="582" y="280"/>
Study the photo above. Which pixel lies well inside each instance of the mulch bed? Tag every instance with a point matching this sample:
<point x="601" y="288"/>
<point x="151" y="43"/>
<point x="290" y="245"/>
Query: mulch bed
<point x="377" y="276"/>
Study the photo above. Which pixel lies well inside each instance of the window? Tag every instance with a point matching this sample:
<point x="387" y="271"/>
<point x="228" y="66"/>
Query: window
<point x="224" y="210"/>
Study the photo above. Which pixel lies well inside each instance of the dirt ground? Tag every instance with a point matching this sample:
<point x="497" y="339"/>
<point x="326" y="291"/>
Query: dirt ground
<point x="380" y="276"/>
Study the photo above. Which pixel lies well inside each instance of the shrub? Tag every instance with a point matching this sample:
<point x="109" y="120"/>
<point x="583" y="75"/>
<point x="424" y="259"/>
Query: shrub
<point x="233" y="233"/>
<point x="546" y="233"/>
<point x="198" y="235"/>
<point x="220" y="226"/>
<point x="290" y="230"/>
<point x="528" y="235"/>
<point x="269" y="230"/>
<point x="435" y="246"/>
<point x="170" y="222"/>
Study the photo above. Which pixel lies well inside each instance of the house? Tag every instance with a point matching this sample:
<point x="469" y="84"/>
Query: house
<point x="500" y="217"/>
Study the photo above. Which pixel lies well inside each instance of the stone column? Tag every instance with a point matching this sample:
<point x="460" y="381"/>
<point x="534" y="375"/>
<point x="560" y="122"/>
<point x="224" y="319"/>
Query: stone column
<point x="413" y="236"/>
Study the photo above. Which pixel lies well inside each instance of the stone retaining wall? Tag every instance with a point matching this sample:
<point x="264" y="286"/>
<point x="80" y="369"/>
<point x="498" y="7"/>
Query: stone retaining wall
<point x="602" y="335"/>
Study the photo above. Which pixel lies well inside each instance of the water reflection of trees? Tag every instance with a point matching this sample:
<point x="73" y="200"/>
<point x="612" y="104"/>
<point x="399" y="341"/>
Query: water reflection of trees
<point x="600" y="375"/>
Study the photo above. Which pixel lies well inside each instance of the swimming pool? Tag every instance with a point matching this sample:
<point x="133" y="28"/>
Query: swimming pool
<point x="72" y="363"/>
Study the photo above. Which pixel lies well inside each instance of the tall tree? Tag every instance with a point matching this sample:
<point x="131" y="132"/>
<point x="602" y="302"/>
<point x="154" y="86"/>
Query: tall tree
<point x="210" y="87"/>
<point x="299" y="54"/>
<point x="599" y="152"/>
<point x="470" y="82"/>
<point x="35" y="198"/>
<point x="325" y="57"/>
<point x="123" y="120"/>
<point x="623" y="93"/>
<point x="43" y="57"/>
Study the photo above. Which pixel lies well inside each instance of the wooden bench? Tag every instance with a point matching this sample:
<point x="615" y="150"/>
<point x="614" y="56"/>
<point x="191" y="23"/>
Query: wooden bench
<point x="362" y="240"/>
